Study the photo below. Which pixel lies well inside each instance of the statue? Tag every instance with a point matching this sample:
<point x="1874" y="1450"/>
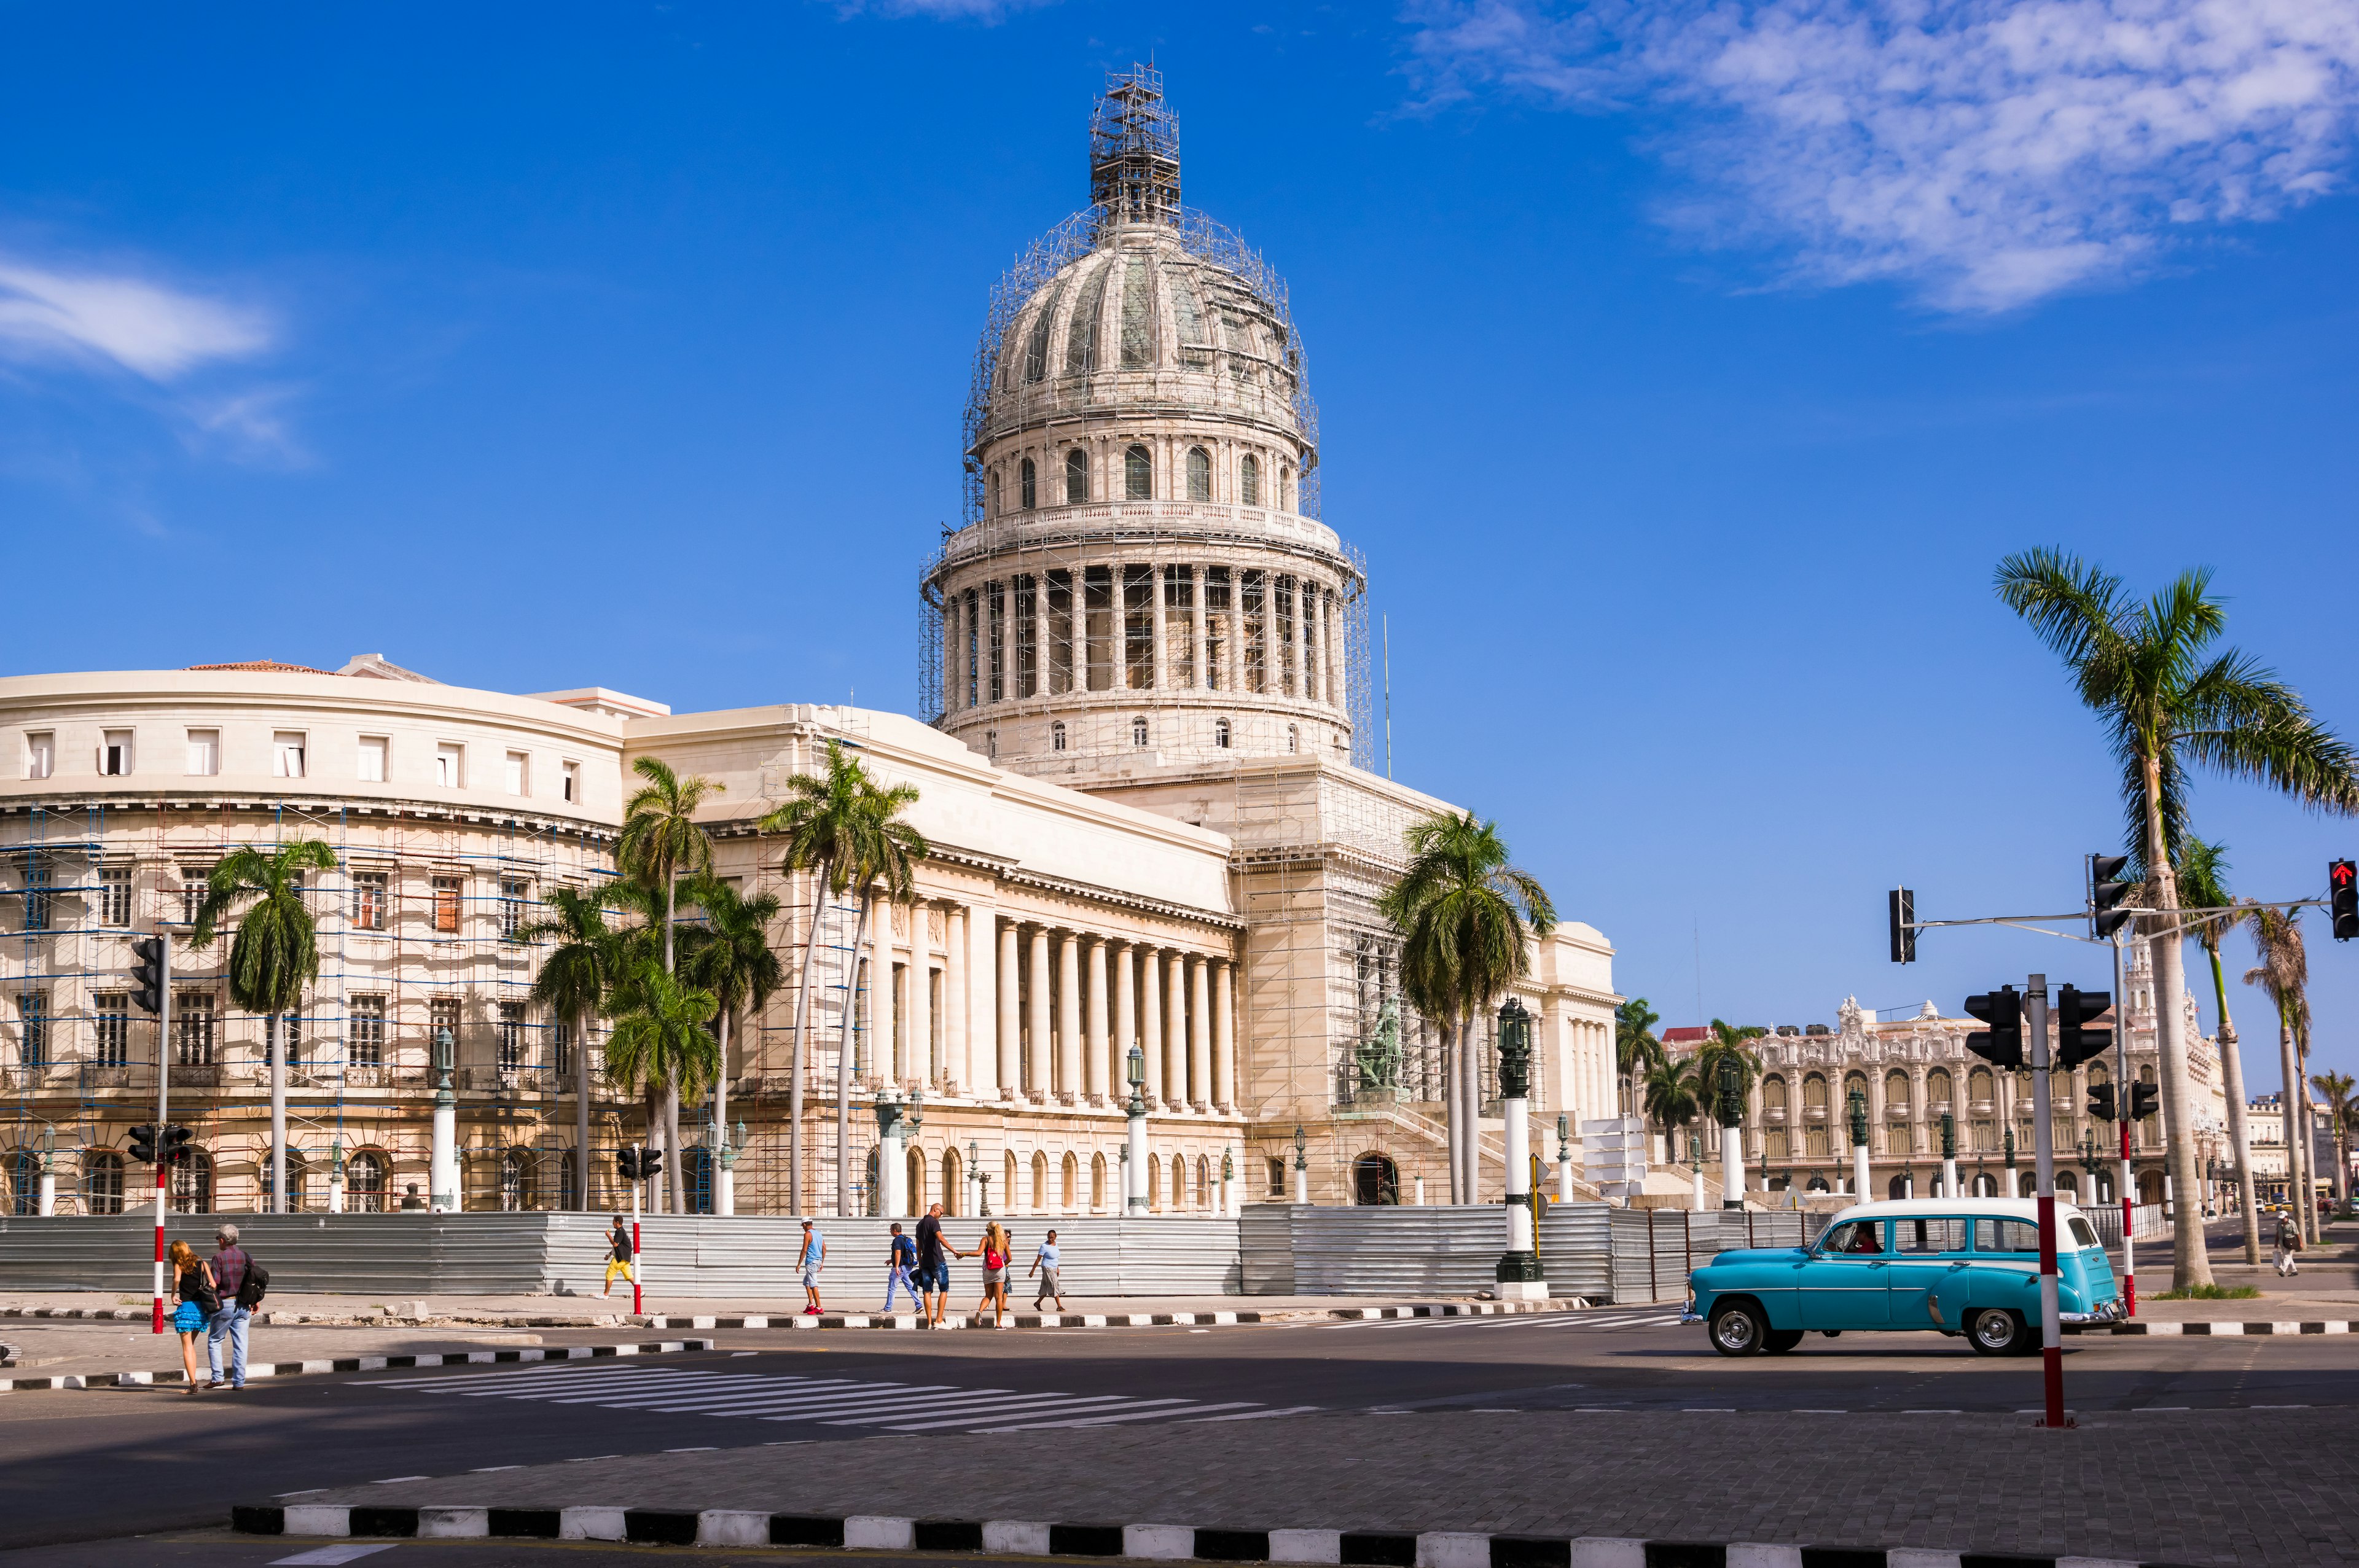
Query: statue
<point x="1379" y="1058"/>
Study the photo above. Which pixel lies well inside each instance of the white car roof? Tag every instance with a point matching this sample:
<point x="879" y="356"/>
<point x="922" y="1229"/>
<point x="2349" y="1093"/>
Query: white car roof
<point x="1957" y="1207"/>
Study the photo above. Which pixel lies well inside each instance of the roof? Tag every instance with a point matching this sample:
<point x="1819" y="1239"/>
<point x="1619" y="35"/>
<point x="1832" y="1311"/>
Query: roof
<point x="265" y="666"/>
<point x="1682" y="1035"/>
<point x="1894" y="1208"/>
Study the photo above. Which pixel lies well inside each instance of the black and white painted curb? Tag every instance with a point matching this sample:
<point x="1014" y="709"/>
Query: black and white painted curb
<point x="1109" y="1319"/>
<point x="257" y="1370"/>
<point x="1147" y="1542"/>
<point x="2231" y="1329"/>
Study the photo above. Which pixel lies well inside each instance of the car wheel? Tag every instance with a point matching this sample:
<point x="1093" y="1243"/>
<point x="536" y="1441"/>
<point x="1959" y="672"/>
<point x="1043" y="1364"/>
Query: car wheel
<point x="1778" y="1341"/>
<point x="1737" y="1329"/>
<point x="1995" y="1331"/>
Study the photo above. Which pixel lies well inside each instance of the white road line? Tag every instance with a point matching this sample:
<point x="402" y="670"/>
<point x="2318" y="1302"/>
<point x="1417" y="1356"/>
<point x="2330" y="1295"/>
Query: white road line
<point x="326" y="1556"/>
<point x="1111" y="1419"/>
<point x="815" y="1409"/>
<point x="1262" y="1415"/>
<point x="596" y="1392"/>
<point x="842" y="1389"/>
<point x="746" y="1403"/>
<point x="999" y="1409"/>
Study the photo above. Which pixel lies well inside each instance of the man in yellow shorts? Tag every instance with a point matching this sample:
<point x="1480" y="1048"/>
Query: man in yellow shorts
<point x="619" y="1256"/>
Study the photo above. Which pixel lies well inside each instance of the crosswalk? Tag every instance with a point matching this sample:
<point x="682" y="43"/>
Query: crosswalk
<point x="1587" y="1320"/>
<point x="854" y="1402"/>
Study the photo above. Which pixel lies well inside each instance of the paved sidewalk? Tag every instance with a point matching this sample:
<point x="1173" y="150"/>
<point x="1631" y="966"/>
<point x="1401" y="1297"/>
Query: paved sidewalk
<point x="2211" y="1488"/>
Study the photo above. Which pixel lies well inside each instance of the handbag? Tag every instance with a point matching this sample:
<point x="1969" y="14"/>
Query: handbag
<point x="254" y="1286"/>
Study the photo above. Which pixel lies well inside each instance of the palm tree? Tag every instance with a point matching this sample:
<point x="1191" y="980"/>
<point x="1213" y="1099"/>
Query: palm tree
<point x="731" y="956"/>
<point x="2201" y="868"/>
<point x="1671" y="1094"/>
<point x="575" y="977"/>
<point x="275" y="952"/>
<point x="1635" y="1049"/>
<point x="660" y="1036"/>
<point x="2284" y="973"/>
<point x="660" y="841"/>
<point x="845" y="825"/>
<point x="2337" y="1087"/>
<point x="2166" y="701"/>
<point x="1464" y="912"/>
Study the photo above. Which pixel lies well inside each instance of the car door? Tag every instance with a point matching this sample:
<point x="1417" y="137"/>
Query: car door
<point x="1925" y="1251"/>
<point x="2006" y="1266"/>
<point x="1844" y="1281"/>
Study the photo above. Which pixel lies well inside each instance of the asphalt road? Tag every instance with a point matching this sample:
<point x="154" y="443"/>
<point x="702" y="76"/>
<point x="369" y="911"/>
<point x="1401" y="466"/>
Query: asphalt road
<point x="99" y="1465"/>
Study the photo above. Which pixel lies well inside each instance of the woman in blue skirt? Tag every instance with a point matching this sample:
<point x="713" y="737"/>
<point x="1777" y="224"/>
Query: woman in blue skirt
<point x="192" y="1281"/>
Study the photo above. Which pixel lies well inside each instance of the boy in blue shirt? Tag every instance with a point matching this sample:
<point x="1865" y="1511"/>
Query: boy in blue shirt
<point x="898" y="1264"/>
<point x="1044" y="1263"/>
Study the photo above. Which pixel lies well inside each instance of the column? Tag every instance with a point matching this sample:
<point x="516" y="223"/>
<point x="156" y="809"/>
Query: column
<point x="1151" y="1023"/>
<point x="1306" y="598"/>
<point x="950" y="652"/>
<point x="1237" y="660"/>
<point x="1126" y="1020"/>
<point x="1037" y="1061"/>
<point x="1225" y="1036"/>
<point x="1875" y="1136"/>
<point x="1157" y="579"/>
<point x="953" y="1068"/>
<point x="918" y="1018"/>
<point x="1175" y="1029"/>
<point x="1332" y="643"/>
<point x="1199" y="678"/>
<point x="886" y="1058"/>
<point x="1094" y="1049"/>
<point x="1069" y="1017"/>
<point x="1200" y="1035"/>
<point x="1011" y="1029"/>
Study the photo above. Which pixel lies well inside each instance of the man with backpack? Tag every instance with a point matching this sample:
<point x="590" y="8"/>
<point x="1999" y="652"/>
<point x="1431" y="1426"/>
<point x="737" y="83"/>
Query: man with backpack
<point x="242" y="1282"/>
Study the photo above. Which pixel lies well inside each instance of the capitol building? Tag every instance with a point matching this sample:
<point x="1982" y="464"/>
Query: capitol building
<point x="1143" y="763"/>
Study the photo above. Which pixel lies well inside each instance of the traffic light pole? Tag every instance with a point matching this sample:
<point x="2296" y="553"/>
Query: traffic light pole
<point x="163" y="1074"/>
<point x="2122" y="1106"/>
<point x="2051" y="1341"/>
<point x="638" y="1254"/>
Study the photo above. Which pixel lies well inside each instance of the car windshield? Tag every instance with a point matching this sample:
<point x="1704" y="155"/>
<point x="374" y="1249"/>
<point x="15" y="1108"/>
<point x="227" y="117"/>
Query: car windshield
<point x="2083" y="1233"/>
<point x="1853" y="1237"/>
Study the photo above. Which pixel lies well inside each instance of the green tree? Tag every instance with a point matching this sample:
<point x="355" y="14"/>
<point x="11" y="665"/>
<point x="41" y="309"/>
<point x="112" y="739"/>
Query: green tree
<point x="1671" y="1093"/>
<point x="2337" y="1087"/>
<point x="1464" y="912"/>
<point x="730" y="956"/>
<point x="1635" y="1049"/>
<point x="2283" y="974"/>
<point x="274" y="956"/>
<point x="2202" y="872"/>
<point x="659" y="843"/>
<point x="584" y="956"/>
<point x="660" y="1038"/>
<point x="2167" y="702"/>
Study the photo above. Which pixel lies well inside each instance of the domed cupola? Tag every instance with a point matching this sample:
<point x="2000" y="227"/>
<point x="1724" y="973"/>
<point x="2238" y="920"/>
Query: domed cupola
<point x="1141" y="578"/>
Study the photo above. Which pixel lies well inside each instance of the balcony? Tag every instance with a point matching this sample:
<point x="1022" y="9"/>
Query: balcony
<point x="1983" y="1107"/>
<point x="1895" y="1111"/>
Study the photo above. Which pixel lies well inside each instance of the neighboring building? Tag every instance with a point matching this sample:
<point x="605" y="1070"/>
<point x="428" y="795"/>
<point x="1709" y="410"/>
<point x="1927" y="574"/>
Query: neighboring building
<point x="1145" y="676"/>
<point x="2264" y="1124"/>
<point x="1914" y="1071"/>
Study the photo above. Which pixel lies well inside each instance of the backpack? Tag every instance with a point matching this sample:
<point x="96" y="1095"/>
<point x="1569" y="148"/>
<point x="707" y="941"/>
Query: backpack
<point x="254" y="1286"/>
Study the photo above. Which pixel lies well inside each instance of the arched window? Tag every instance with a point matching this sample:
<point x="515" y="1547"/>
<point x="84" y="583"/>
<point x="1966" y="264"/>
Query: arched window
<point x="915" y="1166"/>
<point x="192" y="1184"/>
<point x="1249" y="479"/>
<point x="997" y="503"/>
<point x="1138" y="731"/>
<point x="24" y="1181"/>
<point x="295" y="1173"/>
<point x="1179" y="1182"/>
<point x="1008" y="1196"/>
<point x="1376" y="1179"/>
<point x="519" y="1191"/>
<point x="1937" y="1091"/>
<point x="1098" y="1183"/>
<point x="1775" y="1143"/>
<point x="1138" y="474"/>
<point x="1773" y="1093"/>
<point x="1077" y="477"/>
<point x="1199" y="474"/>
<point x="1285" y="487"/>
<point x="1814" y="1143"/>
<point x="1220" y="733"/>
<point x="1154" y="1182"/>
<point x="1071" y="1197"/>
<point x="1293" y="740"/>
<point x="1896" y="1188"/>
<point x="365" y="1179"/>
<point x="1039" y="1182"/>
<point x="2068" y="1185"/>
<point x="1057" y="736"/>
<point x="1203" y="1181"/>
<point x="1817" y="1185"/>
<point x="952" y="1186"/>
<point x="1026" y="485"/>
<point x="1896" y="1091"/>
<point x="1978" y="1087"/>
<point x="569" y="1181"/>
<point x="102" y="1183"/>
<point x="1814" y="1093"/>
<point x="991" y="744"/>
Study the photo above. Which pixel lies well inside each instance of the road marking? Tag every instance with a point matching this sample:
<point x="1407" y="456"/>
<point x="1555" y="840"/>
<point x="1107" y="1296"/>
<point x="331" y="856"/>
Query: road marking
<point x="390" y="1480"/>
<point x="321" y="1556"/>
<point x="708" y="1448"/>
<point x="1265" y="1416"/>
<point x="1111" y="1419"/>
<point x="493" y="1469"/>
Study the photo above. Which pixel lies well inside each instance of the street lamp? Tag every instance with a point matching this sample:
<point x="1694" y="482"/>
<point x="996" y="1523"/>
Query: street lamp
<point x="1732" y="1134"/>
<point x="1518" y="1272"/>
<point x="2011" y="1191"/>
<point x="1563" y="1158"/>
<point x="1302" y="1167"/>
<point x="1134" y="1180"/>
<point x="442" y="1168"/>
<point x="1948" y="1155"/>
<point x="1857" y="1106"/>
<point x="1695" y="1167"/>
<point x="974" y="1166"/>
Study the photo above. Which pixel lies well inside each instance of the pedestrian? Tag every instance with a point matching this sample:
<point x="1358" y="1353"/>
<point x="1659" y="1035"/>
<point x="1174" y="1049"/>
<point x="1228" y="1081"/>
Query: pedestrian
<point x="898" y="1262"/>
<point x="230" y="1264"/>
<point x="1044" y="1263"/>
<point x="808" y="1262"/>
<point x="2288" y="1244"/>
<point x="620" y="1257"/>
<point x="192" y="1283"/>
<point x="933" y="1267"/>
<point x="995" y="1275"/>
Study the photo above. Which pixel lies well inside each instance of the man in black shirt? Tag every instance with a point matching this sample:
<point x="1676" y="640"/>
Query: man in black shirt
<point x="619" y="1260"/>
<point x="933" y="1267"/>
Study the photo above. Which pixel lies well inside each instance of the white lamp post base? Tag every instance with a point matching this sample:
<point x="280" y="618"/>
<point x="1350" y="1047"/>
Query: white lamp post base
<point x="1522" y="1290"/>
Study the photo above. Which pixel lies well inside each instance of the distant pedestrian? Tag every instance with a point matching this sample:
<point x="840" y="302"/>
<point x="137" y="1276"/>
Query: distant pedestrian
<point x="229" y="1264"/>
<point x="995" y="1274"/>
<point x="621" y="1257"/>
<point x="808" y="1262"/>
<point x="1044" y="1263"/>
<point x="898" y="1264"/>
<point x="2288" y="1245"/>
<point x="933" y="1267"/>
<point x="199" y="1299"/>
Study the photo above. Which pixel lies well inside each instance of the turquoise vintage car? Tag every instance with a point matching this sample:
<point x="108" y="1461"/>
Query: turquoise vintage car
<point x="1960" y="1266"/>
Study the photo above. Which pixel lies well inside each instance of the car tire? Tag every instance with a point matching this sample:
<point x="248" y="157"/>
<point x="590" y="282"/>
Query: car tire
<point x="1778" y="1341"/>
<point x="1995" y="1331"/>
<point x="1737" y="1329"/>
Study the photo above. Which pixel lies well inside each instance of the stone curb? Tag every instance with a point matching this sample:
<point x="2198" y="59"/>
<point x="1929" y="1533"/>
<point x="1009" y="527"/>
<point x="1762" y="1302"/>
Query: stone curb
<point x="255" y="1370"/>
<point x="2232" y="1329"/>
<point x="1113" y="1319"/>
<point x="1152" y="1543"/>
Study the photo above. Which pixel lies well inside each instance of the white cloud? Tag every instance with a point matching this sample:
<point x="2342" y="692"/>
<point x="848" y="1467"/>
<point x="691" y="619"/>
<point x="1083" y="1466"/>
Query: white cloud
<point x="154" y="330"/>
<point x="1989" y="152"/>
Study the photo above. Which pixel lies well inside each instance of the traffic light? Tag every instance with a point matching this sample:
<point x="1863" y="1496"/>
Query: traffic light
<point x="143" y="1143"/>
<point x="174" y="1150"/>
<point x="2143" y="1101"/>
<point x="2002" y="1044"/>
<point x="147" y="973"/>
<point x="628" y="1161"/>
<point x="1903" y="906"/>
<point x="2101" y="1102"/>
<point x="651" y="1162"/>
<point x="2075" y="1042"/>
<point x="2342" y="899"/>
<point x="2105" y="892"/>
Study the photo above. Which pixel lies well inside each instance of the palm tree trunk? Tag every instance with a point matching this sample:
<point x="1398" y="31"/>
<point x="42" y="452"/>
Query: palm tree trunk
<point x="2231" y="1073"/>
<point x="1470" y="1140"/>
<point x="802" y="1020"/>
<point x="679" y="1149"/>
<point x="2292" y="1075"/>
<point x="843" y="1062"/>
<point x="272" y="1046"/>
<point x="720" y="1124"/>
<point x="2308" y="1141"/>
<point x="2190" y="1262"/>
<point x="1453" y="1047"/>
<point x="582" y="1110"/>
<point x="653" y="1140"/>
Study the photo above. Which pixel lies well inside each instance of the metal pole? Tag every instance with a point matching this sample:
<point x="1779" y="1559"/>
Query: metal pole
<point x="2051" y="1343"/>
<point x="638" y="1254"/>
<point x="163" y="1061"/>
<point x="2122" y="1111"/>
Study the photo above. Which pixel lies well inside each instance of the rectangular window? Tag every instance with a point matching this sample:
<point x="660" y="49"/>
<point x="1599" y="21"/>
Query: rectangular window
<point x="367" y="1026"/>
<point x="111" y="1016"/>
<point x="1284" y="593"/>
<point x="1277" y="1177"/>
<point x="511" y="1041"/>
<point x="1138" y="628"/>
<point x="1097" y="626"/>
<point x="373" y="756"/>
<point x="564" y="1032"/>
<point x="519" y="773"/>
<point x="994" y="598"/>
<point x="450" y="765"/>
<point x="1252" y="613"/>
<point x="1929" y="1234"/>
<point x="371" y="891"/>
<point x="33" y="1029"/>
<point x="571" y="777"/>
<point x="442" y="1015"/>
<point x="1219" y="620"/>
<point x="1179" y="625"/>
<point x="1060" y="633"/>
<point x="290" y="1038"/>
<point x="447" y="891"/>
<point x="41" y="753"/>
<point x="1028" y="636"/>
<point x="193" y="891"/>
<point x="114" y="894"/>
<point x="286" y="754"/>
<point x="37" y="896"/>
<point x="193" y="1028"/>
<point x="115" y="753"/>
<point x="514" y="896"/>
<point x="2005" y="1235"/>
<point x="204" y="753"/>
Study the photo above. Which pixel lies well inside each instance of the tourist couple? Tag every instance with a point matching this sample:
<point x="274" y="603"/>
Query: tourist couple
<point x="920" y="1265"/>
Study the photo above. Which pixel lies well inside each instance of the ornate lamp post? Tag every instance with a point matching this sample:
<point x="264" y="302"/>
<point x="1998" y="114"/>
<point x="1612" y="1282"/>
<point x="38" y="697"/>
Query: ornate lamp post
<point x="47" y="1203"/>
<point x="1857" y="1107"/>
<point x="1134" y="1152"/>
<point x="896" y="1120"/>
<point x="726" y="1148"/>
<point x="1302" y="1167"/>
<point x="1563" y="1158"/>
<point x="442" y="1165"/>
<point x="1732" y="1134"/>
<point x="1228" y="1183"/>
<point x="1518" y="1272"/>
<point x="1695" y="1168"/>
<point x="336" y="1174"/>
<point x="1948" y="1155"/>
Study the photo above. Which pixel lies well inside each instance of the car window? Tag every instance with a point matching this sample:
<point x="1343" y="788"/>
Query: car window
<point x="2083" y="1233"/>
<point x="2005" y="1235"/>
<point x="1929" y="1236"/>
<point x="1858" y="1237"/>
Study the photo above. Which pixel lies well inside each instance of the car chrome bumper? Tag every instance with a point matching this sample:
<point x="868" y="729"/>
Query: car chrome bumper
<point x="1690" y="1316"/>
<point x="2107" y="1312"/>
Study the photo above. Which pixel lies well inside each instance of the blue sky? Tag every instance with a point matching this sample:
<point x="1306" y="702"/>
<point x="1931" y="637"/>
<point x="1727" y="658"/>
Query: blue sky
<point x="1685" y="369"/>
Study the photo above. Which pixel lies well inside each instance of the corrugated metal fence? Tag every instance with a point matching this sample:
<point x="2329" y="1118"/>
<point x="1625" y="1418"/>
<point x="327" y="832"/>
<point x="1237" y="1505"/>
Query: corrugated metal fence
<point x="1654" y="1248"/>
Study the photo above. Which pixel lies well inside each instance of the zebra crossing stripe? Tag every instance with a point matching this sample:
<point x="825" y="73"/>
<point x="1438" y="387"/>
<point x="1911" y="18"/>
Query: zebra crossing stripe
<point x="753" y="1394"/>
<point x="1120" y="1416"/>
<point x="752" y="1404"/>
<point x="1020" y="1406"/>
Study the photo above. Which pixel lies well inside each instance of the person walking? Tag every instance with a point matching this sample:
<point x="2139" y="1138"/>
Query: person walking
<point x="199" y="1299"/>
<point x="620" y="1257"/>
<point x="229" y="1265"/>
<point x="1044" y="1263"/>
<point x="808" y="1262"/>
<point x="898" y="1262"/>
<point x="933" y="1267"/>
<point x="2288" y="1244"/>
<point x="995" y="1275"/>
